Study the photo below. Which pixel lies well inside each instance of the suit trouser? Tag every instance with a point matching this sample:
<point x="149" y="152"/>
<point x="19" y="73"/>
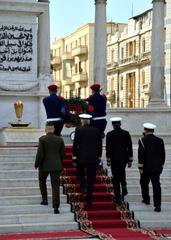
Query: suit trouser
<point x="118" y="181"/>
<point x="155" y="180"/>
<point x="100" y="124"/>
<point x="58" y="125"/>
<point x="55" y="183"/>
<point x="91" y="177"/>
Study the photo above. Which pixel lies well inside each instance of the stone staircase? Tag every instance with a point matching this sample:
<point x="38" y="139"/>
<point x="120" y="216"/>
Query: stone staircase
<point x="20" y="197"/>
<point x="145" y="213"/>
<point x="20" y="210"/>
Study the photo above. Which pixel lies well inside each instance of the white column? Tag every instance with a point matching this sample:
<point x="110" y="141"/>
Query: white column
<point x="44" y="76"/>
<point x="44" y="41"/>
<point x="157" y="55"/>
<point x="100" y="41"/>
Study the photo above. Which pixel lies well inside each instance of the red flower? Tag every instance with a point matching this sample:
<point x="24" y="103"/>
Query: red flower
<point x="90" y="108"/>
<point x="71" y="107"/>
<point x="78" y="109"/>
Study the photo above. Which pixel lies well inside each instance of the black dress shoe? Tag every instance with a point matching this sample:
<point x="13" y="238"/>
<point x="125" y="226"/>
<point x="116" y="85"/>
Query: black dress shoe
<point x="124" y="192"/>
<point x="157" y="209"/>
<point x="44" y="202"/>
<point x="146" y="202"/>
<point x="56" y="210"/>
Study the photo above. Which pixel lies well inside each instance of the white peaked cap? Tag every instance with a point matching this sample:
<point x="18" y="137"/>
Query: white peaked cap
<point x="115" y="119"/>
<point x="85" y="116"/>
<point x="149" y="126"/>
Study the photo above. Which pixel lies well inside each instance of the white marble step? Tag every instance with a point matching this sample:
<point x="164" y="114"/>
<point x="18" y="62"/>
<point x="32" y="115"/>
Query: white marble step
<point x="135" y="181"/>
<point x="139" y="206"/>
<point x="21" y="182"/>
<point x="24" y="165"/>
<point x="24" y="191"/>
<point x="22" y="158"/>
<point x="33" y="208"/>
<point x="136" y="197"/>
<point x="36" y="218"/>
<point x="39" y="227"/>
<point x="25" y="200"/>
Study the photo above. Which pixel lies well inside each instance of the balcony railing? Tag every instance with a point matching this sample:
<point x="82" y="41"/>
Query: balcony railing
<point x="145" y="55"/>
<point x="80" y="50"/>
<point x="67" y="56"/>
<point x="80" y="77"/>
<point x="56" y="60"/>
<point x="69" y="81"/>
<point x="129" y="60"/>
<point x="112" y="65"/>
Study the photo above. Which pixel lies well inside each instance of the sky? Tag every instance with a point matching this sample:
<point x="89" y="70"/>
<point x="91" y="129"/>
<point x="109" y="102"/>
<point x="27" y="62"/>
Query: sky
<point x="68" y="15"/>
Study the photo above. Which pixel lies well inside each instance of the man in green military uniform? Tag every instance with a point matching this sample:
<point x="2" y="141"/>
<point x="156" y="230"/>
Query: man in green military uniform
<point x="49" y="158"/>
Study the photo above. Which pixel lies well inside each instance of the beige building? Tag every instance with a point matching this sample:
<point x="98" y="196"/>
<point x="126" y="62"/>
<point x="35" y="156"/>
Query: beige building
<point x="73" y="60"/>
<point x="128" y="63"/>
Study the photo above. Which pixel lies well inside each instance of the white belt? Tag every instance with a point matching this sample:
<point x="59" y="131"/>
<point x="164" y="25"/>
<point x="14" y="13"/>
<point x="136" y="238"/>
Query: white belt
<point x="99" y="118"/>
<point x="53" y="119"/>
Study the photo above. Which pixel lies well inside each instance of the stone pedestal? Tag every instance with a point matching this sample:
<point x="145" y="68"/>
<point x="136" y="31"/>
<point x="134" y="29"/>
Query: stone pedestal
<point x="20" y="136"/>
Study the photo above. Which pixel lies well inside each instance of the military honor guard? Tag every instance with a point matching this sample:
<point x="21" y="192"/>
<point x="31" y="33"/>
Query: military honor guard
<point x="151" y="159"/>
<point x="55" y="109"/>
<point x="119" y="154"/>
<point x="97" y="106"/>
<point x="87" y="151"/>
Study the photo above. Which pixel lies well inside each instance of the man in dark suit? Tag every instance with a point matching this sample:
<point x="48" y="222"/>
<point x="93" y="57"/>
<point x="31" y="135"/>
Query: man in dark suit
<point x="55" y="109"/>
<point x="97" y="107"/>
<point x="87" y="151"/>
<point x="151" y="159"/>
<point x="49" y="158"/>
<point x="119" y="153"/>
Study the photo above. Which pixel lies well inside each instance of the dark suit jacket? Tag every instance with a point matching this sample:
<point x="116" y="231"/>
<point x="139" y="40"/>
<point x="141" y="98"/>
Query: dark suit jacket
<point x="119" y="147"/>
<point x="98" y="101"/>
<point x="87" y="146"/>
<point x="151" y="154"/>
<point x="54" y="106"/>
<point x="50" y="153"/>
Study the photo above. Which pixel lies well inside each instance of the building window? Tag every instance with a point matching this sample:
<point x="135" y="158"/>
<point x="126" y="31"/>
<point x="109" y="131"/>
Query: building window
<point x="75" y="68"/>
<point x="79" y="92"/>
<point x="80" y="68"/>
<point x="143" y="45"/>
<point x="122" y="53"/>
<point x="130" y="49"/>
<point x="71" y="93"/>
<point x="143" y="77"/>
<point x="121" y="83"/>
<point x="113" y="56"/>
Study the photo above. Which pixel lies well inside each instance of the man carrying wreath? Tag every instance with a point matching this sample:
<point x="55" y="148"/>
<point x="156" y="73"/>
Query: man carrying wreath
<point x="97" y="108"/>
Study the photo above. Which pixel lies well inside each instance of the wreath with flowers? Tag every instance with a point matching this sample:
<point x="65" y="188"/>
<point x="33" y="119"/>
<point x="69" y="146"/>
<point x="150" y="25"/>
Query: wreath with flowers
<point x="76" y="106"/>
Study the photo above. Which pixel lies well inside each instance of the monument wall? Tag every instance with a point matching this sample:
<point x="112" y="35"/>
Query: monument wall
<point x="23" y="74"/>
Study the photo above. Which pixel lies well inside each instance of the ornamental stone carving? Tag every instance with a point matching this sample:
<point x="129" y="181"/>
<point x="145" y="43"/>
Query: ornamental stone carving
<point x="17" y="87"/>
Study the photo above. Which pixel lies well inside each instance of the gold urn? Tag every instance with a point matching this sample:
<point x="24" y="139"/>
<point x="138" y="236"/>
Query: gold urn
<point x="18" y="106"/>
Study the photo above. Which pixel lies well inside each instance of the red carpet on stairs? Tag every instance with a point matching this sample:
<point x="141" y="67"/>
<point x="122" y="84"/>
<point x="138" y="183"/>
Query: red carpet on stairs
<point x="104" y="219"/>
